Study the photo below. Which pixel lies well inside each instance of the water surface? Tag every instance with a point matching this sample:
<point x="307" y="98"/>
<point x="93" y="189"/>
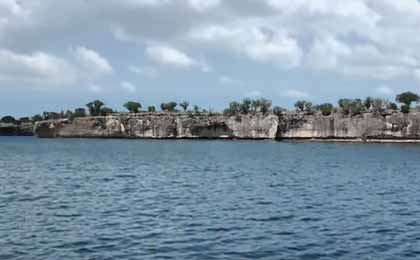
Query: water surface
<point x="146" y="199"/>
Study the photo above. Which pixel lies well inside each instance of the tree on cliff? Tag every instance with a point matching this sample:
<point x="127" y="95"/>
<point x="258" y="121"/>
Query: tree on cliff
<point x="79" y="112"/>
<point x="265" y="105"/>
<point x="105" y="111"/>
<point x="8" y="119"/>
<point x="279" y="110"/>
<point x="234" y="108"/>
<point x="303" y="106"/>
<point x="168" y="107"/>
<point x="133" y="107"/>
<point x="326" y="109"/>
<point x="245" y="106"/>
<point x="351" y="106"/>
<point x="37" y="118"/>
<point x="407" y="98"/>
<point x="95" y="107"/>
<point x="185" y="105"/>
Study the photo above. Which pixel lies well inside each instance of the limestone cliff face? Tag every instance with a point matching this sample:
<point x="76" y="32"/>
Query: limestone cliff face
<point x="9" y="129"/>
<point x="164" y="125"/>
<point x="367" y="126"/>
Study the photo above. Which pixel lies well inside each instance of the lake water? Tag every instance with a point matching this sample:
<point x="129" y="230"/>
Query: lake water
<point x="149" y="199"/>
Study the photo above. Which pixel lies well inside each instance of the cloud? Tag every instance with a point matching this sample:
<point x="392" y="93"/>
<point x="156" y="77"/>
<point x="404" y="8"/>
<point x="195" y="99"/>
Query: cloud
<point x="92" y="60"/>
<point x="169" y="56"/>
<point x="149" y="72"/>
<point x="385" y="90"/>
<point x="227" y="80"/>
<point x="294" y="93"/>
<point x="38" y="68"/>
<point x="95" y="88"/>
<point x="128" y="87"/>
<point x="203" y="5"/>
<point x="259" y="43"/>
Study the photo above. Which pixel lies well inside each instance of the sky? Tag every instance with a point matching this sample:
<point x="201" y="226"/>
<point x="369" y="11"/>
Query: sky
<point x="57" y="55"/>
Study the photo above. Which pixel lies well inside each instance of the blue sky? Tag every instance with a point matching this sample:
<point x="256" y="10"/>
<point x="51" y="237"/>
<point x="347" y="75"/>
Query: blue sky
<point x="62" y="54"/>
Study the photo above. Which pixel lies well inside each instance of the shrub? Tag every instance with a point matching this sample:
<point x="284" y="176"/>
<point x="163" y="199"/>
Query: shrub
<point x="95" y="107"/>
<point x="393" y="106"/>
<point x="105" y="111"/>
<point x="326" y="109"/>
<point x="405" y="109"/>
<point x="37" y="118"/>
<point x="304" y="106"/>
<point x="278" y="110"/>
<point x="168" y="107"/>
<point x="9" y="119"/>
<point x="79" y="112"/>
<point x="185" y="105"/>
<point x="133" y="107"/>
<point x="407" y="98"/>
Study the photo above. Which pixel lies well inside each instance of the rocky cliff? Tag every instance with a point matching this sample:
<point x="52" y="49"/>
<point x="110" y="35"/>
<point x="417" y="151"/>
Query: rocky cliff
<point x="22" y="129"/>
<point x="365" y="127"/>
<point x="164" y="126"/>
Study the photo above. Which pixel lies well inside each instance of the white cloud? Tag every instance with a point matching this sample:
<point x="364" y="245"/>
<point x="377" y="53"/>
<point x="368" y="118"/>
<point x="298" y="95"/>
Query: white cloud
<point x="227" y="80"/>
<point x="259" y="43"/>
<point x="95" y="88"/>
<point x="149" y="72"/>
<point x="150" y="3"/>
<point x="38" y="68"/>
<point x="92" y="60"/>
<point x="203" y="5"/>
<point x="294" y="93"/>
<point x="169" y="56"/>
<point x="128" y="87"/>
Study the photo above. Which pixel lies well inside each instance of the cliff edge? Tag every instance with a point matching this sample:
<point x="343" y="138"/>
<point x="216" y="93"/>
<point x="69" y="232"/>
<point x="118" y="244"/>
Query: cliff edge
<point x="286" y="126"/>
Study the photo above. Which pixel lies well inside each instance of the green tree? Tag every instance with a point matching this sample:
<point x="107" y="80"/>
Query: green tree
<point x="168" y="107"/>
<point x="9" y="120"/>
<point x="185" y="105"/>
<point x="133" y="107"/>
<point x="407" y="98"/>
<point x="405" y="109"/>
<point x="368" y="102"/>
<point x="151" y="109"/>
<point x="95" y="107"/>
<point x="265" y="105"/>
<point x="37" y="118"/>
<point x="105" y="111"/>
<point x="278" y="110"/>
<point x="245" y="106"/>
<point x="79" y="112"/>
<point x="234" y="108"/>
<point x="393" y="106"/>
<point x="24" y="120"/>
<point x="303" y="106"/>
<point x="196" y="109"/>
<point x="326" y="109"/>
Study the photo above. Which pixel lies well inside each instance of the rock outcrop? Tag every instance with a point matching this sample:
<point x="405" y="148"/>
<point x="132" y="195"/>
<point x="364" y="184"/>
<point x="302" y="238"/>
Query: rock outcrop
<point x="164" y="126"/>
<point x="368" y="126"/>
<point x="21" y="129"/>
<point x="288" y="126"/>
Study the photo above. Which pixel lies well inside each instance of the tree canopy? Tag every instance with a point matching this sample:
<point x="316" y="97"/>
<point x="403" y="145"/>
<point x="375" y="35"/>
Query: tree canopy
<point x="133" y="107"/>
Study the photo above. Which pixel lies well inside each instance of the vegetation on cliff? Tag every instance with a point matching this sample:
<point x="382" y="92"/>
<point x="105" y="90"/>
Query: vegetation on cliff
<point x="345" y="106"/>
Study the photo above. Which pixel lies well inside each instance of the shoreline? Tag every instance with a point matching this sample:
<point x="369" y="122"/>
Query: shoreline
<point x="279" y="140"/>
